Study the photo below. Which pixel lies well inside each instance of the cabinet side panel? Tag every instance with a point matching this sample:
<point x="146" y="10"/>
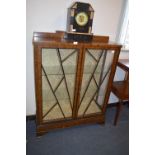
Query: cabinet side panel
<point x="38" y="83"/>
<point x="112" y="73"/>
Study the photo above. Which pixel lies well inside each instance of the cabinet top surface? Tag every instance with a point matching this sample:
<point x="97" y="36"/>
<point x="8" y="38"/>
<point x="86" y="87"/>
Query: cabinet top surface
<point x="58" y="40"/>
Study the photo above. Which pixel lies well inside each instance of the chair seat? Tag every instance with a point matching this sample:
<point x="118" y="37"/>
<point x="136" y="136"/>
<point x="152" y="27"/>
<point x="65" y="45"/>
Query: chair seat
<point x="121" y="89"/>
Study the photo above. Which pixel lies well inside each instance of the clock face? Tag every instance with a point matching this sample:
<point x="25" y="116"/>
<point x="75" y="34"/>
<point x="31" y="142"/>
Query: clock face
<point x="81" y="19"/>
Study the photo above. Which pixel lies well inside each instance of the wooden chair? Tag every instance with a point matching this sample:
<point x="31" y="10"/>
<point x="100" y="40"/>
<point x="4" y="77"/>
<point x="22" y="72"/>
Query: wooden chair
<point x="121" y="88"/>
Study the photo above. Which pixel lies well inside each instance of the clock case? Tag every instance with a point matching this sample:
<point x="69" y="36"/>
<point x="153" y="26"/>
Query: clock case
<point x="76" y="32"/>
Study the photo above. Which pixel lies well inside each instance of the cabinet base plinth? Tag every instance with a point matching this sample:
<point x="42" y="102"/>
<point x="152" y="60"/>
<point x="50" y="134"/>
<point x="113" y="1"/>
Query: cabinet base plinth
<point x="46" y="127"/>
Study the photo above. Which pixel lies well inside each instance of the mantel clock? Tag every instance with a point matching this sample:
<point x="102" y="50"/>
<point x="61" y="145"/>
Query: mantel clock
<point x="79" y="22"/>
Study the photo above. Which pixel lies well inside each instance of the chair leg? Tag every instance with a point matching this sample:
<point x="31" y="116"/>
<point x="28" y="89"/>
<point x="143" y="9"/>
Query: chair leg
<point x="119" y="107"/>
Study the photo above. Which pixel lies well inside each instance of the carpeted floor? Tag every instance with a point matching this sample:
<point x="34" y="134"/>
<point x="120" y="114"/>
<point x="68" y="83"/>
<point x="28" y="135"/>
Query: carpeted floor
<point x="92" y="139"/>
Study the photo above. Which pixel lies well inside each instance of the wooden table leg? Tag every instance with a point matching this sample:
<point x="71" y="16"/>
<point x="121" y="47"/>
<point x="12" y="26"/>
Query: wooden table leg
<point x="118" y="110"/>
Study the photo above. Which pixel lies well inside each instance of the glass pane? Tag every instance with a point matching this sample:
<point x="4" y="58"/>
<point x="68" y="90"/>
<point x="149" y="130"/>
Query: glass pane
<point x="58" y="81"/>
<point x="96" y="73"/>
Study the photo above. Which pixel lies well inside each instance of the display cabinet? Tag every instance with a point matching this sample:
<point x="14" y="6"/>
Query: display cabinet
<point x="72" y="80"/>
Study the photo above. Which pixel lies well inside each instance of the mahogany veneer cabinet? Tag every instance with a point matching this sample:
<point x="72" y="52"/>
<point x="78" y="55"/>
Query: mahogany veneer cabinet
<point x="72" y="80"/>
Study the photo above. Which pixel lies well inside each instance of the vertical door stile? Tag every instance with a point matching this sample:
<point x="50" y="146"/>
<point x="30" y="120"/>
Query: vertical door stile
<point x="78" y="82"/>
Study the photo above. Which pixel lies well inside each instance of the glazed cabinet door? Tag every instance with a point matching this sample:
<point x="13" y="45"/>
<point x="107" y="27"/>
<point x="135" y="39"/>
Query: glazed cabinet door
<point x="59" y="67"/>
<point x="97" y="65"/>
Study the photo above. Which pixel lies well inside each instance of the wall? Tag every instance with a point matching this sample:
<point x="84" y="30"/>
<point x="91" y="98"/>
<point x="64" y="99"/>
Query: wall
<point x="51" y="15"/>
